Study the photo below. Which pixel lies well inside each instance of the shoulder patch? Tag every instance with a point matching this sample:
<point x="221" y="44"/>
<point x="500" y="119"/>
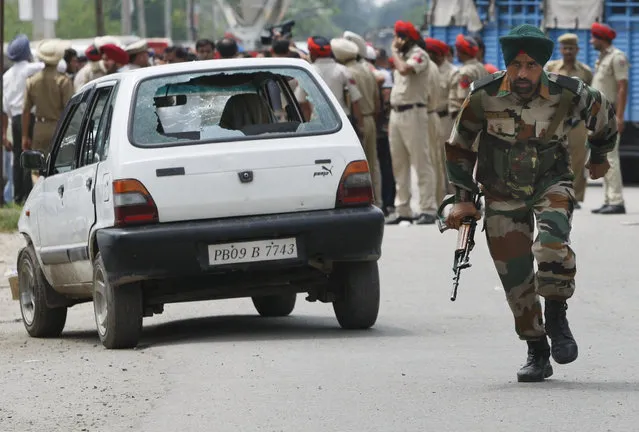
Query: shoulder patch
<point x="573" y="84"/>
<point x="487" y="80"/>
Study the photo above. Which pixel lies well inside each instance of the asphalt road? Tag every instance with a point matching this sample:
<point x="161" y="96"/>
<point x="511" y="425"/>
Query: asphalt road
<point x="428" y="364"/>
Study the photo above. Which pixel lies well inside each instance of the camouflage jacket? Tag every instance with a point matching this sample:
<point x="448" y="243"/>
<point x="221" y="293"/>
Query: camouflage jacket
<point x="514" y="158"/>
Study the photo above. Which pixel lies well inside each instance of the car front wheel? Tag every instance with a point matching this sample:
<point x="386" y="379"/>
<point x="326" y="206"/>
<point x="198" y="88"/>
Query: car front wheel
<point x="118" y="310"/>
<point x="39" y="319"/>
<point x="357" y="290"/>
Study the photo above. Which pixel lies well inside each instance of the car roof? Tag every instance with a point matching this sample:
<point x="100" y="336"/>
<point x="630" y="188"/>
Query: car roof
<point x="136" y="75"/>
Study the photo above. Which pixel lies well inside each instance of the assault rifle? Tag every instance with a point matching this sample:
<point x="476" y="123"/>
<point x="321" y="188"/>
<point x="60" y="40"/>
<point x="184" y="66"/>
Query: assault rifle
<point x="465" y="239"/>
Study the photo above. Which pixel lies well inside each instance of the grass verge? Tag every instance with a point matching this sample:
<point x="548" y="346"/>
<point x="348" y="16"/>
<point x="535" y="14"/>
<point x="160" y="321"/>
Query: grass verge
<point x="9" y="216"/>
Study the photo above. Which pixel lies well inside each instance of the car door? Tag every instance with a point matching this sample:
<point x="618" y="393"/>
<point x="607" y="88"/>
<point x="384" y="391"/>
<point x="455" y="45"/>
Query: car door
<point x="53" y="216"/>
<point x="81" y="182"/>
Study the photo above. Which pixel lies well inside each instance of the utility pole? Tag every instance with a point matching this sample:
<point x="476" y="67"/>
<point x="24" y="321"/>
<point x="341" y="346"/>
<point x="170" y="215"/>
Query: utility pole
<point x="189" y="19"/>
<point x="99" y="18"/>
<point x="168" y="15"/>
<point x="141" y="19"/>
<point x="125" y="21"/>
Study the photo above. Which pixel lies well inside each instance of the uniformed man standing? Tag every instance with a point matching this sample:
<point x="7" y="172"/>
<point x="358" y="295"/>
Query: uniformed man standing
<point x="570" y="66"/>
<point x="138" y="55"/>
<point x="337" y="77"/>
<point x="105" y="57"/>
<point x="408" y="127"/>
<point x="48" y="91"/>
<point x="522" y="116"/>
<point x="470" y="70"/>
<point x="611" y="79"/>
<point x="438" y="52"/>
<point x="347" y="53"/>
<point x="435" y="147"/>
<point x="362" y="48"/>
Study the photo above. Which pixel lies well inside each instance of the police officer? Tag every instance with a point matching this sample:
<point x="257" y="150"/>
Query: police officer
<point x="338" y="78"/>
<point x="470" y="70"/>
<point x="362" y="48"/>
<point x="435" y="147"/>
<point x="138" y="55"/>
<point x="570" y="66"/>
<point x="522" y="116"/>
<point x="48" y="91"/>
<point x="408" y="126"/>
<point x="611" y="79"/>
<point x="347" y="53"/>
<point x="438" y="52"/>
<point x="105" y="57"/>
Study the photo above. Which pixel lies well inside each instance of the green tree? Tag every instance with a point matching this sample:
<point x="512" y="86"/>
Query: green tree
<point x="12" y="24"/>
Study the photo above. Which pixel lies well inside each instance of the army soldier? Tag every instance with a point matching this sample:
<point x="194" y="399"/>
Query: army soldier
<point x="570" y="66"/>
<point x="346" y="53"/>
<point x="48" y="91"/>
<point x="470" y="70"/>
<point x="611" y="79"/>
<point x="408" y="126"/>
<point x="522" y="116"/>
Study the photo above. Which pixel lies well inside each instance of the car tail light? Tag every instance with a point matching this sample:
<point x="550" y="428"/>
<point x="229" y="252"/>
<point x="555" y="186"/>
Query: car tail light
<point x="355" y="187"/>
<point x="133" y="204"/>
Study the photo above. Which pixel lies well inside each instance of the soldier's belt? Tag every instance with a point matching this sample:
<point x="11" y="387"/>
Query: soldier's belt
<point x="406" y="107"/>
<point x="44" y="120"/>
<point x="442" y="113"/>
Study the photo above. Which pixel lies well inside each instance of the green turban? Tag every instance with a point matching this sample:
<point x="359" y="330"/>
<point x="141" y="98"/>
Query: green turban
<point x="529" y="39"/>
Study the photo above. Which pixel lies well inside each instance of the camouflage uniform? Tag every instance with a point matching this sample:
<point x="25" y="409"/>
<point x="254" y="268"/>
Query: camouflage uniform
<point x="526" y="176"/>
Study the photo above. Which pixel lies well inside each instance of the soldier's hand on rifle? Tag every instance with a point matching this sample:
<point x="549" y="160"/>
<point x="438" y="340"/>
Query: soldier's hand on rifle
<point x="597" y="171"/>
<point x="459" y="212"/>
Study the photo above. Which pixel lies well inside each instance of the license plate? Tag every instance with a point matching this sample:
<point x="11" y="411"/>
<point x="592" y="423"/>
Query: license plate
<point x="254" y="251"/>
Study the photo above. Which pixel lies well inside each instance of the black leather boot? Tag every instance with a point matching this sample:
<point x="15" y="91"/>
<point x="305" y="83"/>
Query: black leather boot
<point x="564" y="348"/>
<point x="537" y="367"/>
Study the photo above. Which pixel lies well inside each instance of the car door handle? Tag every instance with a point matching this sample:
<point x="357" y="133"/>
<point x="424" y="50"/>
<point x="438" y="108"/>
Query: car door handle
<point x="61" y="190"/>
<point x="89" y="183"/>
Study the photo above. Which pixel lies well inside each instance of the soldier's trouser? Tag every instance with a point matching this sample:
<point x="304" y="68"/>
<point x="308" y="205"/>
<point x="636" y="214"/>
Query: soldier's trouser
<point x="408" y="133"/>
<point x="369" y="143"/>
<point x="386" y="170"/>
<point x="445" y="128"/>
<point x="577" y="145"/>
<point x="42" y="135"/>
<point x="22" y="183"/>
<point x="613" y="184"/>
<point x="509" y="232"/>
<point x="436" y="154"/>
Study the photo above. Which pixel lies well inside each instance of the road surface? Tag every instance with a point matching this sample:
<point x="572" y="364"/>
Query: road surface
<point x="428" y="364"/>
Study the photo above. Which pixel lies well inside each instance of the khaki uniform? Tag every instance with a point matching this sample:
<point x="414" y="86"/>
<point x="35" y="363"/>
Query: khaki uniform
<point x="611" y="66"/>
<point x="48" y="91"/>
<point x="470" y="71"/>
<point x="577" y="136"/>
<point x="446" y="76"/>
<point x="408" y="129"/>
<point x="435" y="146"/>
<point x="367" y="86"/>
<point x="89" y="72"/>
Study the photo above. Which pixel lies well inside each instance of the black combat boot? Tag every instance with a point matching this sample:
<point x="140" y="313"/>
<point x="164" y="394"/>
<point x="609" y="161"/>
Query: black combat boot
<point x="564" y="348"/>
<point x="537" y="367"/>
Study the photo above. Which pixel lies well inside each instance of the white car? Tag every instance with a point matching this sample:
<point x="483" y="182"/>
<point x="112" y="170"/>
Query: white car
<point x="199" y="181"/>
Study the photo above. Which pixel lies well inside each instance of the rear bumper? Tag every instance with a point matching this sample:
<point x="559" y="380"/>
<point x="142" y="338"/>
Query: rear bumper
<point x="181" y="249"/>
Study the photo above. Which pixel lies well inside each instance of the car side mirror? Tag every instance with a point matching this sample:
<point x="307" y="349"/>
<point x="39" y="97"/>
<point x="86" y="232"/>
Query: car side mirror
<point x="33" y="160"/>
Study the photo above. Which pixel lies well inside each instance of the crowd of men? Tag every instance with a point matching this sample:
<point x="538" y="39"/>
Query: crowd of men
<point x="403" y="104"/>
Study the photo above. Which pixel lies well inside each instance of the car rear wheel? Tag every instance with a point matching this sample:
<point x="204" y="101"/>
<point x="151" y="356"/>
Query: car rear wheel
<point x="118" y="310"/>
<point x="357" y="289"/>
<point x="275" y="305"/>
<point x="39" y="319"/>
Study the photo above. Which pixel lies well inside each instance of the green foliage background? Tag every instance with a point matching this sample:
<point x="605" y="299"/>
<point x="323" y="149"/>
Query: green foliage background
<point x="313" y="17"/>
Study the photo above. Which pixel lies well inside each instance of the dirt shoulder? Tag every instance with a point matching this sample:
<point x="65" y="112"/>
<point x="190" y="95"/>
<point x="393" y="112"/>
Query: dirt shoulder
<point x="10" y="245"/>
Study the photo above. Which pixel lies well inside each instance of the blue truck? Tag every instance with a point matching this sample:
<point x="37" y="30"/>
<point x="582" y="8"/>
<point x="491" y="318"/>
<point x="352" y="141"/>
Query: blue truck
<point x="622" y="15"/>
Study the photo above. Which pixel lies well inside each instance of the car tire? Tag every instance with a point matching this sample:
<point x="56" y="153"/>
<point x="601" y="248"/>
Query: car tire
<point x="357" y="304"/>
<point x="275" y="305"/>
<point x="40" y="320"/>
<point x="118" y="310"/>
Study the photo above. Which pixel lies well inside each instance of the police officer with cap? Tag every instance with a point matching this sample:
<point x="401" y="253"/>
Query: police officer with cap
<point x="138" y="55"/>
<point x="470" y="70"/>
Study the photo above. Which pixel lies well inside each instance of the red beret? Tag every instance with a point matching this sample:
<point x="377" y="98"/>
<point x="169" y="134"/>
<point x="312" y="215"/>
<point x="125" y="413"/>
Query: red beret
<point x="408" y="29"/>
<point x="319" y="46"/>
<point x="466" y="45"/>
<point x="115" y="53"/>
<point x="602" y="31"/>
<point x="491" y="69"/>
<point x="93" y="54"/>
<point x="436" y="46"/>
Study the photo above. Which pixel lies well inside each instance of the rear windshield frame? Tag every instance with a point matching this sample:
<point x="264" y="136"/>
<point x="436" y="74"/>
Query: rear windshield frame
<point x="273" y="68"/>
